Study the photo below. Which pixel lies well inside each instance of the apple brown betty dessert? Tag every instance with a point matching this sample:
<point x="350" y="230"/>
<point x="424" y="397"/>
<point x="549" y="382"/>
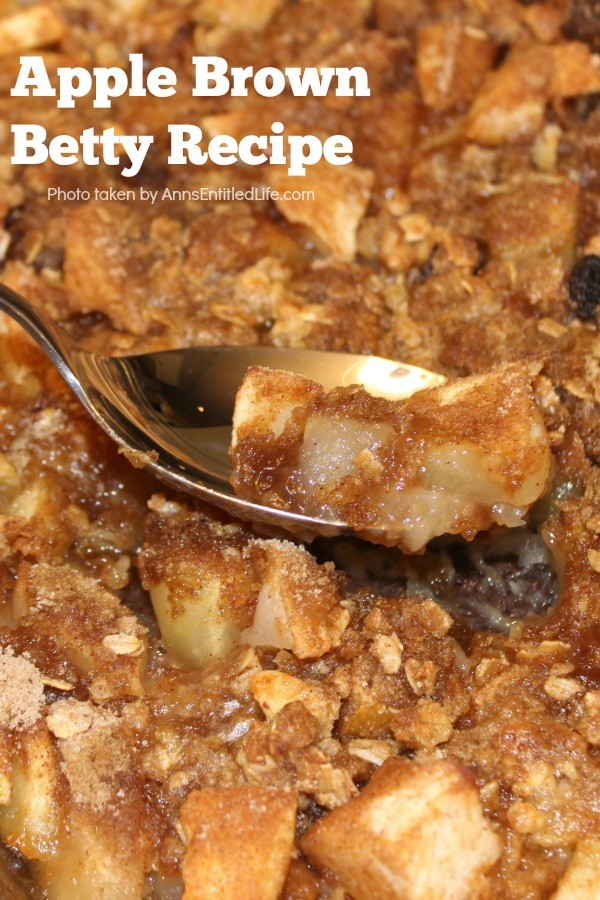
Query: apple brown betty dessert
<point x="190" y="707"/>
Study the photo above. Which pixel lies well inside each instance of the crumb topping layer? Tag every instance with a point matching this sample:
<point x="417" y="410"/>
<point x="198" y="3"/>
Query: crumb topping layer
<point x="184" y="700"/>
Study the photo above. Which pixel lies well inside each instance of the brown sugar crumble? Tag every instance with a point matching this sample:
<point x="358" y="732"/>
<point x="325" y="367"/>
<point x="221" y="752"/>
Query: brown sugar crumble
<point x="21" y="691"/>
<point x="93" y="750"/>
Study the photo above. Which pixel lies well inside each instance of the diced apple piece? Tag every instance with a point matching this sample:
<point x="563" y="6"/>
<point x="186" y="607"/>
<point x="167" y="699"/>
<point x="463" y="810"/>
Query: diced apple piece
<point x="25" y="754"/>
<point x="454" y="459"/>
<point x="102" y="853"/>
<point x="201" y="631"/>
<point x="298" y="606"/>
<point x="269" y="403"/>
<point x="240" y="842"/>
<point x="201" y="589"/>
<point x="48" y="524"/>
<point x="97" y="859"/>
<point x="10" y="482"/>
<point x="415" y="832"/>
<point x="31" y="820"/>
<point x="245" y="15"/>
<point x="7" y="751"/>
<point x="34" y="502"/>
<point x="213" y="587"/>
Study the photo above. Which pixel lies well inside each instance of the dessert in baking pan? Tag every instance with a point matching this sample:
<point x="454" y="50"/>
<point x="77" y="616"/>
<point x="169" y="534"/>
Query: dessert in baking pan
<point x="190" y="706"/>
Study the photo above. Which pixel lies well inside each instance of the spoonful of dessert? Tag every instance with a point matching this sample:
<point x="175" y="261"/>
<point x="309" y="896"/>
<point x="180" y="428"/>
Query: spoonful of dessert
<point x="316" y="442"/>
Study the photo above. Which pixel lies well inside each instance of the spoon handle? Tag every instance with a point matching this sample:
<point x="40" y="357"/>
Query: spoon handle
<point x="55" y="342"/>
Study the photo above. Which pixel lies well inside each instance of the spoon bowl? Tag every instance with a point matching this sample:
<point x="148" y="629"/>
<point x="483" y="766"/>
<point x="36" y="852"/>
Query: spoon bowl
<point x="173" y="409"/>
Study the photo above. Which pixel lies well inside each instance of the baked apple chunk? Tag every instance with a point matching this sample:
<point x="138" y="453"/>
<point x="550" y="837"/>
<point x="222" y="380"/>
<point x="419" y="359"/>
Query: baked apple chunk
<point x="213" y="586"/>
<point x="453" y="459"/>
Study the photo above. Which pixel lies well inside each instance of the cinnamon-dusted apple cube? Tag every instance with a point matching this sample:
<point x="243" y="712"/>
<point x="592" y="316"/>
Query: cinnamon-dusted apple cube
<point x="99" y="858"/>
<point x="7" y="749"/>
<point x="47" y="522"/>
<point x="269" y="399"/>
<point x="340" y="199"/>
<point x="415" y="832"/>
<point x="212" y="587"/>
<point x="240" y="842"/>
<point x="298" y="605"/>
<point x="10" y="482"/>
<point x="454" y="459"/>
<point x="89" y="626"/>
<point x="37" y="26"/>
<point x="104" y="849"/>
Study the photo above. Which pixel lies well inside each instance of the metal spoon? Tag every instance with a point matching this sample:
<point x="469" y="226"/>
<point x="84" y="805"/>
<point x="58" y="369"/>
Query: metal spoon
<point x="175" y="407"/>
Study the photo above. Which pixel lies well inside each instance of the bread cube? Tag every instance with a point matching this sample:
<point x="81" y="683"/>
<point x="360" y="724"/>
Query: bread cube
<point x="37" y="26"/>
<point x="536" y="219"/>
<point x="415" y="832"/>
<point x="511" y="102"/>
<point x="240" y="842"/>
<point x="582" y="878"/>
<point x="451" y="62"/>
<point x="512" y="99"/>
<point x="341" y="196"/>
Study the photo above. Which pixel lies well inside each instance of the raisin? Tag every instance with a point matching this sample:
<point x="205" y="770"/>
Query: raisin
<point x="482" y="256"/>
<point x="584" y="287"/>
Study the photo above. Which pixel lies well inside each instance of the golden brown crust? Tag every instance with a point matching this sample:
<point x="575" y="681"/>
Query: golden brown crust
<point x="473" y="193"/>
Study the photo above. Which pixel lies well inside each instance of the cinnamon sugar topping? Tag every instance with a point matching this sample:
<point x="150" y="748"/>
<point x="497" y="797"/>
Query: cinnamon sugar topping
<point x="93" y="749"/>
<point x="21" y="691"/>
